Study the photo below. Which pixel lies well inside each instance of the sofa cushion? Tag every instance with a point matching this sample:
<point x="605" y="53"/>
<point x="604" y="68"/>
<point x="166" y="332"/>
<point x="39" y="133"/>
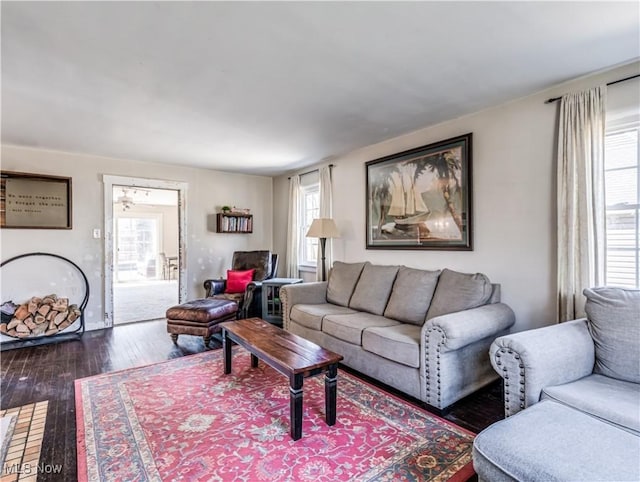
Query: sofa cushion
<point x="399" y="343"/>
<point x="614" y="321"/>
<point x="311" y="315"/>
<point x="411" y="295"/>
<point x="616" y="401"/>
<point x="373" y="288"/>
<point x="459" y="291"/>
<point x="342" y="281"/>
<point x="349" y="327"/>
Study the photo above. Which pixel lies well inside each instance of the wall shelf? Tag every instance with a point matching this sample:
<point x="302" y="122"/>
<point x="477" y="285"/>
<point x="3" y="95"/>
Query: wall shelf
<point x="234" y="223"/>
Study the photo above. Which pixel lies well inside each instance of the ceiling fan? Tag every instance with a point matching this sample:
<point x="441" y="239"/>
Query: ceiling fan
<point x="125" y="200"/>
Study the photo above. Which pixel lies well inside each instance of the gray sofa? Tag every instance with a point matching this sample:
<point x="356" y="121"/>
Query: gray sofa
<point x="425" y="333"/>
<point x="572" y="398"/>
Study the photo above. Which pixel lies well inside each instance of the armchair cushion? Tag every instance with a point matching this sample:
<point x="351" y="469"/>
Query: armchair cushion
<point x="614" y="401"/>
<point x="411" y="295"/>
<point x="458" y="292"/>
<point x="237" y="281"/>
<point x="614" y="322"/>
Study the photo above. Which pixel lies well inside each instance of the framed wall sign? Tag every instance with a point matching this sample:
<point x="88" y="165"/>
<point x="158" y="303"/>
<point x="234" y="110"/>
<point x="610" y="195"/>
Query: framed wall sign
<point x="421" y="198"/>
<point x="34" y="201"/>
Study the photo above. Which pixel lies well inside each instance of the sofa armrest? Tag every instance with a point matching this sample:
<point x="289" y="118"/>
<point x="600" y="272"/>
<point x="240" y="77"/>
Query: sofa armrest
<point x="532" y="360"/>
<point x="214" y="286"/>
<point x="301" y="293"/>
<point x="456" y="330"/>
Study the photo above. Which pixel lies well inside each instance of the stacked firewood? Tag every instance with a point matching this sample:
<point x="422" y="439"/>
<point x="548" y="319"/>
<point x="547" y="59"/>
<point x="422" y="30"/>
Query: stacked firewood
<point x="41" y="316"/>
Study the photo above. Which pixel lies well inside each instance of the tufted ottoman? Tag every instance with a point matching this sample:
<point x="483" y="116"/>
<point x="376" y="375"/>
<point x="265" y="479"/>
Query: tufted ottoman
<point x="199" y="317"/>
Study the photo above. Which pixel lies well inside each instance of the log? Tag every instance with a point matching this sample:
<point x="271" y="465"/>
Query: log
<point x="22" y="312"/>
<point x="60" y="317"/>
<point x="44" y="309"/>
<point x="51" y="315"/>
<point x="39" y="319"/>
<point x="13" y="323"/>
<point x="30" y="323"/>
<point x="22" y="328"/>
<point x="33" y="305"/>
<point x="3" y="328"/>
<point x="62" y="304"/>
<point x="12" y="332"/>
<point x="39" y="330"/>
<point x="64" y="324"/>
<point x="52" y="331"/>
<point x="49" y="299"/>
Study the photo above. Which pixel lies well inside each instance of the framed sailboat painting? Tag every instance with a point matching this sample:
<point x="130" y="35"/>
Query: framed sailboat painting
<point x="421" y="198"/>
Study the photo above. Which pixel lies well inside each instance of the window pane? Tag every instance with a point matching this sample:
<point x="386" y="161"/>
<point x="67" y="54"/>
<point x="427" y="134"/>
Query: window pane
<point x="310" y="211"/>
<point x="621" y="149"/>
<point x="622" y="186"/>
<point x="622" y="213"/>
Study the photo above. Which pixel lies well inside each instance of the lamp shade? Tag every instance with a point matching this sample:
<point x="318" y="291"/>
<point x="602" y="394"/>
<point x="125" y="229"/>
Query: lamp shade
<point x="323" y="228"/>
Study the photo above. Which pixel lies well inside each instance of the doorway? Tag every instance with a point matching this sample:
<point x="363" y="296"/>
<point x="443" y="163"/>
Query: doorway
<point x="144" y="248"/>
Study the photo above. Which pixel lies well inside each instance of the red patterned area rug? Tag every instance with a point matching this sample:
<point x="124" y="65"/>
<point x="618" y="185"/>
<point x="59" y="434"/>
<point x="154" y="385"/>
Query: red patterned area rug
<point x="185" y="420"/>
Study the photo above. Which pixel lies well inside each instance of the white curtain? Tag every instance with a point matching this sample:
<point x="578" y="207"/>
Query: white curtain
<point x="293" y="230"/>
<point x="326" y="211"/>
<point x="581" y="219"/>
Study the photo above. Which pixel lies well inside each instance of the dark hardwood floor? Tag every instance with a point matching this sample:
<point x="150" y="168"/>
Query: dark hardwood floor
<point x="47" y="373"/>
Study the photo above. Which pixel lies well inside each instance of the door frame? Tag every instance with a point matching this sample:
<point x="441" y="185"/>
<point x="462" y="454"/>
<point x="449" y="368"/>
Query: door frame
<point x="110" y="181"/>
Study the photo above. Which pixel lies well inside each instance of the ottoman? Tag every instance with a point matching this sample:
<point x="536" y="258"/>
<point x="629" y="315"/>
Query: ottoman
<point x="199" y="317"/>
<point x="552" y="442"/>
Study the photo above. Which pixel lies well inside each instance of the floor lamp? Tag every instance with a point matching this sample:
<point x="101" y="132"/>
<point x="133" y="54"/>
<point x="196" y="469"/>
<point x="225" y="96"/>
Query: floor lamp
<point x="323" y="228"/>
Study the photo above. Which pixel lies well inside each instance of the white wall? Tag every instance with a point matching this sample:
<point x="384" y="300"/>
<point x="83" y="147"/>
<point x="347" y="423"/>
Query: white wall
<point x="514" y="197"/>
<point x="207" y="253"/>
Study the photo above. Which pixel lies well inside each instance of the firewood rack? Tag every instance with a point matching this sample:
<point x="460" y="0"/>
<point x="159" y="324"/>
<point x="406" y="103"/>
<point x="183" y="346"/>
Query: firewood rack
<point x="68" y="333"/>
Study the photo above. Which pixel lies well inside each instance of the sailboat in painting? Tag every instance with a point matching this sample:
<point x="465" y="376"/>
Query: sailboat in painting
<point x="406" y="206"/>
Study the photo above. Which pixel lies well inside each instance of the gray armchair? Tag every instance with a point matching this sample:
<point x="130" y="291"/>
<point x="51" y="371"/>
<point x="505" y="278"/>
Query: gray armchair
<point x="572" y="398"/>
<point x="265" y="264"/>
<point x="578" y="353"/>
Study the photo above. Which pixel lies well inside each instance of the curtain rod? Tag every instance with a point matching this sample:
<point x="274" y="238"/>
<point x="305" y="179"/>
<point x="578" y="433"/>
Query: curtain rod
<point x="312" y="170"/>
<point x="552" y="100"/>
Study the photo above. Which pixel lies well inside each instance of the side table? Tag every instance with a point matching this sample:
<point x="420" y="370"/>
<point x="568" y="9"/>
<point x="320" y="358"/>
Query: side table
<point x="271" y="305"/>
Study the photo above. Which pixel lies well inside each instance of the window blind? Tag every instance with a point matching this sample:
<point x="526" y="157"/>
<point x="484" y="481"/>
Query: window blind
<point x="622" y="177"/>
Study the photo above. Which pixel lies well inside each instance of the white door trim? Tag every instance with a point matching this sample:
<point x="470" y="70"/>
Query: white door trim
<point x="109" y="181"/>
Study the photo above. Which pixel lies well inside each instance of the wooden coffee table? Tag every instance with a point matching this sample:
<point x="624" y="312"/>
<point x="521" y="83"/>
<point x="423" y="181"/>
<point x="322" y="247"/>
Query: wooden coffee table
<point x="289" y="354"/>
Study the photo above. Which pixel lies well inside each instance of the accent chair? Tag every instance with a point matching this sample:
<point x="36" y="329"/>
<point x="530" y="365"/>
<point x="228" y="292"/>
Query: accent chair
<point x="265" y="266"/>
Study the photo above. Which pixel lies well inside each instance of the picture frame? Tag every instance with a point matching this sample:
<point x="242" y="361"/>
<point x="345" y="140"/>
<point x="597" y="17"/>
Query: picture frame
<point x="421" y="198"/>
<point x="35" y="201"/>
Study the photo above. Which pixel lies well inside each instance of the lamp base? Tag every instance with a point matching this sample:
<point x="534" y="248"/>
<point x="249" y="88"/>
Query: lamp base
<point x="323" y="245"/>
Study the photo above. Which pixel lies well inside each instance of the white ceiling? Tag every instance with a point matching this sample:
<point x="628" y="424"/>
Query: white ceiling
<point x="267" y="87"/>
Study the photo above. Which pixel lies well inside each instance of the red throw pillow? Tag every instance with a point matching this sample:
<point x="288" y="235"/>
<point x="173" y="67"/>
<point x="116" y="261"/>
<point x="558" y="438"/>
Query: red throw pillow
<point x="237" y="281"/>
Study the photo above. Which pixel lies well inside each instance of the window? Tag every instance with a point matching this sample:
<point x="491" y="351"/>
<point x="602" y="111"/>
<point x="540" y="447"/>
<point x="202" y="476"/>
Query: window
<point x="622" y="198"/>
<point x="310" y="211"/>
<point x="136" y="245"/>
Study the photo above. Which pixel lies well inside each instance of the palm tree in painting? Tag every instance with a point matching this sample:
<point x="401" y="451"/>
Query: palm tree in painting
<point x="445" y="165"/>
